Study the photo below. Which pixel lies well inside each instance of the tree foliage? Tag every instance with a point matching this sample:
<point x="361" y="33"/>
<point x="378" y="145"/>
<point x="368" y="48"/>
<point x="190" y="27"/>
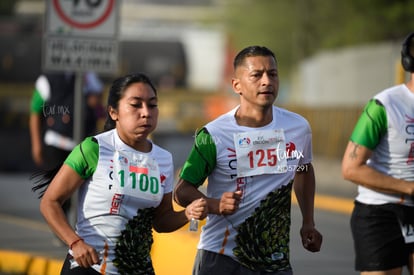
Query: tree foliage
<point x="296" y="29"/>
<point x="7" y="7"/>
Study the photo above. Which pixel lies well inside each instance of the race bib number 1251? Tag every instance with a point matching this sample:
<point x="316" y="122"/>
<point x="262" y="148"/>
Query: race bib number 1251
<point x="260" y="152"/>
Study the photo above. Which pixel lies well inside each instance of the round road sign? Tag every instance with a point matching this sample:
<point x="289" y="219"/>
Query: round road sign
<point x="93" y="14"/>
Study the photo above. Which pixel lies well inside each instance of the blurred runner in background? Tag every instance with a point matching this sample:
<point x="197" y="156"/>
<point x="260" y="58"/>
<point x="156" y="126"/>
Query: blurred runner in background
<point x="51" y="117"/>
<point x="379" y="158"/>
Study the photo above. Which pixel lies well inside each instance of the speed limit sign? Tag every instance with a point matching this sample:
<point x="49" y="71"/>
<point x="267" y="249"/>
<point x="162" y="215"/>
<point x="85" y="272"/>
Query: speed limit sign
<point x="82" y="17"/>
<point x="81" y="35"/>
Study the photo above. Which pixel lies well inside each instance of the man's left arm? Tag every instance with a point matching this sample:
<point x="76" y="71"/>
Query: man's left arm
<point x="304" y="187"/>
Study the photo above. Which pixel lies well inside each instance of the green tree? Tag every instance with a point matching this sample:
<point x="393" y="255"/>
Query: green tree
<point x="7" y="7"/>
<point x="296" y="29"/>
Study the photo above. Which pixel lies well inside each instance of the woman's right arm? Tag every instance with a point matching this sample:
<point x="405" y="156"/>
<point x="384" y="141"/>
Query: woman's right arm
<point x="62" y="187"/>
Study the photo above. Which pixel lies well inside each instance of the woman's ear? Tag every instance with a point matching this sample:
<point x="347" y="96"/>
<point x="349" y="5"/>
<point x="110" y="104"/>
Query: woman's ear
<point x="113" y="113"/>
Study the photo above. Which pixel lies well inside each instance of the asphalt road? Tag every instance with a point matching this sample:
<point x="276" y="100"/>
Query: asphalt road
<point x="23" y="229"/>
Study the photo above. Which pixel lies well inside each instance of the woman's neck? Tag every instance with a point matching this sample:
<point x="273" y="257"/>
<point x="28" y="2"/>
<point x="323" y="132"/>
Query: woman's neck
<point x="142" y="144"/>
<point x="410" y="84"/>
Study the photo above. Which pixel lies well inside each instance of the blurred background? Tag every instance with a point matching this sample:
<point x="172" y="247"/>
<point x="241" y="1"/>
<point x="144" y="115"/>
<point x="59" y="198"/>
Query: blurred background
<point x="333" y="56"/>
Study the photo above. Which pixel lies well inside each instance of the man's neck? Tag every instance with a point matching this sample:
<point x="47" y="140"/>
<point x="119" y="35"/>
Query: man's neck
<point x="254" y="117"/>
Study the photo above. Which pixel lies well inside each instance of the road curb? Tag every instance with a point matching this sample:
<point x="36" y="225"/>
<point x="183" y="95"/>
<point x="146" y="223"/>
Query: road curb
<point x="14" y="262"/>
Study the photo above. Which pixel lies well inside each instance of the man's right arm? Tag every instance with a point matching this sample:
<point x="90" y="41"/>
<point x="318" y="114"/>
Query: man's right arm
<point x="369" y="129"/>
<point x="35" y="125"/>
<point x="185" y="193"/>
<point x="35" y="138"/>
<point x="227" y="204"/>
<point x="200" y="163"/>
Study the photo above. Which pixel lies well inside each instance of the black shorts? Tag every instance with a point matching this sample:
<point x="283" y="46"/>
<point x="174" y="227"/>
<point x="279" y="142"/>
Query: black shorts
<point x="67" y="270"/>
<point x="207" y="263"/>
<point x="378" y="240"/>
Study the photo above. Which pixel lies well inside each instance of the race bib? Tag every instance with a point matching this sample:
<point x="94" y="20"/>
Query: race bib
<point x="138" y="175"/>
<point x="407" y="230"/>
<point x="260" y="152"/>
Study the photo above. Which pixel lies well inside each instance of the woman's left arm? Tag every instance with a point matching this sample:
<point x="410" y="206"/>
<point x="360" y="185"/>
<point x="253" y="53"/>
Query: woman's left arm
<point x="167" y="219"/>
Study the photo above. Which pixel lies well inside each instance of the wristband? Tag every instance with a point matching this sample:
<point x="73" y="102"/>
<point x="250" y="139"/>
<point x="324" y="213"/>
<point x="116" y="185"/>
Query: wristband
<point x="75" y="242"/>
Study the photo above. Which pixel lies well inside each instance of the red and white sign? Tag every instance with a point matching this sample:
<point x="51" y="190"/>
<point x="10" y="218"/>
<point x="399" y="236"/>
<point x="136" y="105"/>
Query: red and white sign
<point x="82" y="17"/>
<point x="81" y="35"/>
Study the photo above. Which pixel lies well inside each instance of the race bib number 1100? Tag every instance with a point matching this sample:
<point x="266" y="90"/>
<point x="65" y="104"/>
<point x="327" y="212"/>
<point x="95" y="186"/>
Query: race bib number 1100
<point x="260" y="152"/>
<point x="138" y="176"/>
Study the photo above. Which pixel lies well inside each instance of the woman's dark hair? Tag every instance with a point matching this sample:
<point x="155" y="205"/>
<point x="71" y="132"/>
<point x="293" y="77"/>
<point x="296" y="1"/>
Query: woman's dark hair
<point x="42" y="178"/>
<point x="117" y="92"/>
<point x="251" y="51"/>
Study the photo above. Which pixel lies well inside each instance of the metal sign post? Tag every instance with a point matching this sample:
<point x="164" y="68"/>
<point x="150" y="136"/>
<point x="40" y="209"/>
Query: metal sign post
<point x="78" y="108"/>
<point x="81" y="36"/>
